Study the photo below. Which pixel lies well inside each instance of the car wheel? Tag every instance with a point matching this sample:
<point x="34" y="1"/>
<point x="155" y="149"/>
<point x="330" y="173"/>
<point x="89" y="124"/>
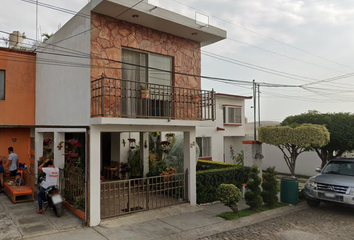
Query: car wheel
<point x="313" y="203"/>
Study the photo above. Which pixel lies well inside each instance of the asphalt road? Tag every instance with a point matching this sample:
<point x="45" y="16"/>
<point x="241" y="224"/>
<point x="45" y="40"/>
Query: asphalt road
<point x="323" y="223"/>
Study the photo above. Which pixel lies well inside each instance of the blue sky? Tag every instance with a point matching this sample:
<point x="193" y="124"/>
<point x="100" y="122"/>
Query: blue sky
<point x="305" y="42"/>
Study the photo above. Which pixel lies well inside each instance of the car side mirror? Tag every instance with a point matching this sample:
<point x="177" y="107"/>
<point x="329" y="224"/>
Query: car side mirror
<point x="318" y="169"/>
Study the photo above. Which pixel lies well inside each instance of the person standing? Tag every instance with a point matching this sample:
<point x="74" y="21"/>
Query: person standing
<point x="13" y="159"/>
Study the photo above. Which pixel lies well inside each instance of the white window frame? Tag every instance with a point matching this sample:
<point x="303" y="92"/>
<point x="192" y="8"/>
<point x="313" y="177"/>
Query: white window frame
<point x="149" y="55"/>
<point x="226" y="109"/>
<point x="201" y="148"/>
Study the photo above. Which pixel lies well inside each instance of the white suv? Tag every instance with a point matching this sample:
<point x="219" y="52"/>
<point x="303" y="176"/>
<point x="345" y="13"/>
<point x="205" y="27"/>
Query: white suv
<point x="335" y="183"/>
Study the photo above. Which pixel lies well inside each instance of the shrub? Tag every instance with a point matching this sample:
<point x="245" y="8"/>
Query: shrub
<point x="229" y="195"/>
<point x="253" y="197"/>
<point x="269" y="186"/>
<point x="209" y="180"/>
<point x="207" y="165"/>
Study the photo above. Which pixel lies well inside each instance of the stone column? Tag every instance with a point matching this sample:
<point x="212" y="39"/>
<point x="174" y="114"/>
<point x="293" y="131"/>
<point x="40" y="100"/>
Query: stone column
<point x="144" y="152"/>
<point x="94" y="177"/>
<point x="190" y="162"/>
<point x="253" y="154"/>
<point x="59" y="158"/>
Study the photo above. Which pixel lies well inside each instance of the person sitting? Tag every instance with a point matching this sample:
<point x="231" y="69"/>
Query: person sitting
<point x="19" y="180"/>
<point x="51" y="179"/>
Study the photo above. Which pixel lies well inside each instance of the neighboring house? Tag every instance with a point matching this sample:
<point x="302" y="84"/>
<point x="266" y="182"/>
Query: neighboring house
<point x="109" y="53"/>
<point x="229" y="129"/>
<point x="17" y="104"/>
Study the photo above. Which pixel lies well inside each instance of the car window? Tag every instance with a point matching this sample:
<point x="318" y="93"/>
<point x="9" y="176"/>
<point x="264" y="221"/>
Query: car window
<point x="341" y="168"/>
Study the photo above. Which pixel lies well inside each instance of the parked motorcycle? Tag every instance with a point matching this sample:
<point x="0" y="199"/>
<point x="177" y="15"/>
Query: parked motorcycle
<point x="53" y="200"/>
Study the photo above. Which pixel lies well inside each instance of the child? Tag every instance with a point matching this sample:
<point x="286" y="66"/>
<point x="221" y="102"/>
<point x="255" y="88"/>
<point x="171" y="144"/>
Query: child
<point x="19" y="180"/>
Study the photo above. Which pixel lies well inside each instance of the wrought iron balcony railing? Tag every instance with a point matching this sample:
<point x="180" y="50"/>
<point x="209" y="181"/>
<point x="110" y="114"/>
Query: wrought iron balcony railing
<point x="112" y="97"/>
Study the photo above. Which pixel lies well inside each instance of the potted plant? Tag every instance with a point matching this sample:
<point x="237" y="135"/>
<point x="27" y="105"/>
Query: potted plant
<point x="135" y="163"/>
<point x="144" y="91"/>
<point x="165" y="145"/>
<point x="132" y="143"/>
<point x="124" y="168"/>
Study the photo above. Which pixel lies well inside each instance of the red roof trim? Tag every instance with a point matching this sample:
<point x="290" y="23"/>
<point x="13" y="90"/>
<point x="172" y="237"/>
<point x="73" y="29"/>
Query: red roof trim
<point x="251" y="142"/>
<point x="234" y="96"/>
<point x="17" y="51"/>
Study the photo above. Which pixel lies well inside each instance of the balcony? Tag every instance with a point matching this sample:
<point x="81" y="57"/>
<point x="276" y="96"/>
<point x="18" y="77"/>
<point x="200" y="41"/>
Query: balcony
<point x="112" y="97"/>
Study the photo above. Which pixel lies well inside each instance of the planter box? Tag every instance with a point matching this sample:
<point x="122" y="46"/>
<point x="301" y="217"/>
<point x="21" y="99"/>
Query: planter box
<point x="77" y="212"/>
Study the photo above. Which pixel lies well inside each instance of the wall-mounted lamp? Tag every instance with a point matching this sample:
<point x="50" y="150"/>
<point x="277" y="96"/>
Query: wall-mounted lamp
<point x="123" y="141"/>
<point x="193" y="144"/>
<point x="145" y="144"/>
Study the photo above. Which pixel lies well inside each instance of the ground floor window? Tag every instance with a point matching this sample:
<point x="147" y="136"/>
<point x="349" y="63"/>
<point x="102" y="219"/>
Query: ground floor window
<point x="204" y="144"/>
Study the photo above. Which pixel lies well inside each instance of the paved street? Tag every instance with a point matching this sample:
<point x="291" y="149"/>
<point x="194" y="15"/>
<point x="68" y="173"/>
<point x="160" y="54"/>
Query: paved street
<point x="325" y="223"/>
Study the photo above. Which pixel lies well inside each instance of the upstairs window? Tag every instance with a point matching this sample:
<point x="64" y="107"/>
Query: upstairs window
<point x="204" y="144"/>
<point x="232" y="115"/>
<point x="2" y="84"/>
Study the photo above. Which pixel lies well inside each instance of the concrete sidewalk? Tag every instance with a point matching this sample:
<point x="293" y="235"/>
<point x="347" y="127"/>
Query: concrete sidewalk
<point x="20" y="220"/>
<point x="177" y="222"/>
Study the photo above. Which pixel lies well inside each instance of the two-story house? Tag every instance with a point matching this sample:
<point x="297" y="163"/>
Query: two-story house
<point x="124" y="67"/>
<point x="17" y="104"/>
<point x="228" y="131"/>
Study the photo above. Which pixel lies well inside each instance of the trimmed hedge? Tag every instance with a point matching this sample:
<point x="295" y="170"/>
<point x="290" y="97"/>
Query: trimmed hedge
<point x="208" y="165"/>
<point x="209" y="180"/>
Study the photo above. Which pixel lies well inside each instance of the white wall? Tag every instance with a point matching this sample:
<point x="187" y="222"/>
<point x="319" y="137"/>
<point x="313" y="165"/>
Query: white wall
<point x="221" y="140"/>
<point x="230" y="130"/>
<point x="217" y="141"/>
<point x="306" y="162"/>
<point x="63" y="92"/>
<point x="237" y="146"/>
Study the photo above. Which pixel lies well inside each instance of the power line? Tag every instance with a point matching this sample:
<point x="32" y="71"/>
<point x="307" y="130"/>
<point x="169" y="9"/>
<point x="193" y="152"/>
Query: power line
<point x="279" y="73"/>
<point x="256" y="67"/>
<point x="264" y="36"/>
<point x="282" y="55"/>
<point x="64" y="10"/>
<point x="330" y="79"/>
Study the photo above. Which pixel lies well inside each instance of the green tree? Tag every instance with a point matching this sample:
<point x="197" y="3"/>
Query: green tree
<point x="340" y="126"/>
<point x="229" y="195"/>
<point x="269" y="185"/>
<point x="292" y="141"/>
<point x="253" y="197"/>
<point x="47" y="36"/>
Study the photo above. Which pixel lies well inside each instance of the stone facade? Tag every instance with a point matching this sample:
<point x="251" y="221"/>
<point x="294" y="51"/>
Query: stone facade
<point x="109" y="36"/>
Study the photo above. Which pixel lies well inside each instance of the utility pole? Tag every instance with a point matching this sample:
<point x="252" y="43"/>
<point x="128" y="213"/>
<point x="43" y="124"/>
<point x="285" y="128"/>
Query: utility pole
<point x="254" y="109"/>
<point x="259" y="106"/>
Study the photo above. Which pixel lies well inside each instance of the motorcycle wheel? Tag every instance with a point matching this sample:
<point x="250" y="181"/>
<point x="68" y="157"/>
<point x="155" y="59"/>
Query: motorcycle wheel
<point x="58" y="209"/>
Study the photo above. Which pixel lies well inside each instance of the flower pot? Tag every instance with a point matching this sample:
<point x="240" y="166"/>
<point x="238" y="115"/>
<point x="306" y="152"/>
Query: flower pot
<point x="144" y="94"/>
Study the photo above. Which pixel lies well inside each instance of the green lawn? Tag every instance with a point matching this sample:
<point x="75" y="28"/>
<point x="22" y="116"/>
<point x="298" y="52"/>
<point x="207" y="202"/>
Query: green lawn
<point x="247" y="212"/>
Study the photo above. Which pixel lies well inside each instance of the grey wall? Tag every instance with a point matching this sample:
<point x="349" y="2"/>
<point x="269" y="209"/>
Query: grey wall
<point x="63" y="92"/>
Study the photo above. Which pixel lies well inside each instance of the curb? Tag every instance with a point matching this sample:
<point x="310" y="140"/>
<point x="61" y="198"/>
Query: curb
<point x="225" y="226"/>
